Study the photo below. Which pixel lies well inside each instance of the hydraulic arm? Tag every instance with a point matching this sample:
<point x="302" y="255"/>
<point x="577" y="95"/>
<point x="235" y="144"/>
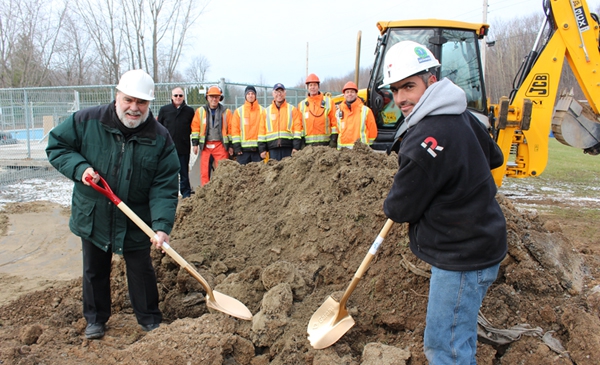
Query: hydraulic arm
<point x="523" y="121"/>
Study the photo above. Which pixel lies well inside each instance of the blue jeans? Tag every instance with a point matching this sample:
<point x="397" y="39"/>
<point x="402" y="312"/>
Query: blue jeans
<point x="280" y="153"/>
<point x="451" y="323"/>
<point x="248" y="156"/>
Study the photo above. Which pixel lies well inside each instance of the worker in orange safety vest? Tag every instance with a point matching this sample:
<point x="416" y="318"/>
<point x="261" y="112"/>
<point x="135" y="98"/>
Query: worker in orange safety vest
<point x="244" y="128"/>
<point x="280" y="132"/>
<point x="318" y="116"/>
<point x="210" y="132"/>
<point x="355" y="120"/>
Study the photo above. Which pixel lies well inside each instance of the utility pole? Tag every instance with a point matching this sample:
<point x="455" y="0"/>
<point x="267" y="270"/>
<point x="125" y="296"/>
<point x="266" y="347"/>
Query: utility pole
<point x="482" y="43"/>
<point x="306" y="60"/>
<point x="357" y="62"/>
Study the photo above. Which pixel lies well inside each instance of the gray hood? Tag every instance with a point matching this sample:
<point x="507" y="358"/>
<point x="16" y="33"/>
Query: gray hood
<point x="442" y="97"/>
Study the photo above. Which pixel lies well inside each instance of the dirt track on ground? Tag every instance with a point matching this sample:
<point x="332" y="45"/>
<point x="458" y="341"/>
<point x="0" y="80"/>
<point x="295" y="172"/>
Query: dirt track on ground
<point x="282" y="237"/>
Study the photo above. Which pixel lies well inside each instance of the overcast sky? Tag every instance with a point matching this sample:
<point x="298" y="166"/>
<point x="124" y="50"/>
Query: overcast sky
<point x="265" y="41"/>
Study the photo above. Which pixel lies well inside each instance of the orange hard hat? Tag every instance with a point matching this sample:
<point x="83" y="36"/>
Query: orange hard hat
<point x="214" y="90"/>
<point x="312" y="78"/>
<point x="350" y="85"/>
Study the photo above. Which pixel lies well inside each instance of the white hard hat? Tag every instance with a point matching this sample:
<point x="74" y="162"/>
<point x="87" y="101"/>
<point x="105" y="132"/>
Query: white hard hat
<point x="137" y="84"/>
<point x="405" y="59"/>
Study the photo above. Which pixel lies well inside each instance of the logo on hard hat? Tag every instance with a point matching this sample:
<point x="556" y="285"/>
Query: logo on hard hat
<point x="422" y="55"/>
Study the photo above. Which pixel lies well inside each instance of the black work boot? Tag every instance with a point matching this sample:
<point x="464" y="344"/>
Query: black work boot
<point x="94" y="330"/>
<point x="150" y="327"/>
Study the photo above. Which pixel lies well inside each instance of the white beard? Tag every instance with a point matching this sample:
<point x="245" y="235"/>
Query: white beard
<point x="130" y="123"/>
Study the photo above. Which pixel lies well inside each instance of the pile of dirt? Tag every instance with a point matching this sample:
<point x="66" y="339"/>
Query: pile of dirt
<point x="282" y="237"/>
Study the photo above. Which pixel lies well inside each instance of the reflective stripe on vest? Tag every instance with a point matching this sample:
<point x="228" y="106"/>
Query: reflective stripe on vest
<point x="242" y="139"/>
<point x="317" y="137"/>
<point x="201" y="136"/>
<point x="271" y="133"/>
<point x="196" y="135"/>
<point x="363" y="130"/>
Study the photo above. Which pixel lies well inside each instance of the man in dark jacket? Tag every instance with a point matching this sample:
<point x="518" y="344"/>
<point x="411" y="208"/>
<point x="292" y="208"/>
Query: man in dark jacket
<point x="123" y="143"/>
<point x="445" y="191"/>
<point x="177" y="117"/>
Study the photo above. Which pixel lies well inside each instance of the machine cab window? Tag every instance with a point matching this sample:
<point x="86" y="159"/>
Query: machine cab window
<point x="458" y="52"/>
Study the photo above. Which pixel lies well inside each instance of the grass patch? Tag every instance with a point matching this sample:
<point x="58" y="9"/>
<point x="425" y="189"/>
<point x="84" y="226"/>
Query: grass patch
<point x="569" y="172"/>
<point x="568" y="191"/>
<point x="580" y="222"/>
<point x="583" y="214"/>
<point x="571" y="165"/>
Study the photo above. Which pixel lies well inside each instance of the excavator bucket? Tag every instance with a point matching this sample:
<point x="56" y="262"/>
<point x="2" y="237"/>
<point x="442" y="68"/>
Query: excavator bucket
<point x="575" y="124"/>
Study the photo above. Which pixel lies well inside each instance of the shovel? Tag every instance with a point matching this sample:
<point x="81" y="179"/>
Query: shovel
<point x="214" y="299"/>
<point x="332" y="320"/>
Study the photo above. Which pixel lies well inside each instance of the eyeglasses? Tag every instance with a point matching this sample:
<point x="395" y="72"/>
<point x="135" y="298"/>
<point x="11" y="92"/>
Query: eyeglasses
<point x="178" y="95"/>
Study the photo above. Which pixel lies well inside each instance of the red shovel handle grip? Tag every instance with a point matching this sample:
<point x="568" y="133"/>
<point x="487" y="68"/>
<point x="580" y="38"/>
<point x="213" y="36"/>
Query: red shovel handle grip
<point x="106" y="191"/>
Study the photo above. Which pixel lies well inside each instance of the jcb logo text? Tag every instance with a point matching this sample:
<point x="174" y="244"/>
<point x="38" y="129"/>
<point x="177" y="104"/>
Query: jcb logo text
<point x="539" y="85"/>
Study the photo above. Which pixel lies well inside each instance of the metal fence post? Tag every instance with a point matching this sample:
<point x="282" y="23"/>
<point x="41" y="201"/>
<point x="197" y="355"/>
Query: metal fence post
<point x="28" y="116"/>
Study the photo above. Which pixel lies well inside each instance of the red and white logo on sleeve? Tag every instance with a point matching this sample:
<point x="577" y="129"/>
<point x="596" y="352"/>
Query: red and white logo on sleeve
<point x="431" y="145"/>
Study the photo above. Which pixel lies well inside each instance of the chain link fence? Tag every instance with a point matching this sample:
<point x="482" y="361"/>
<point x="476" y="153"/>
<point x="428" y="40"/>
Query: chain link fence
<point x="28" y="114"/>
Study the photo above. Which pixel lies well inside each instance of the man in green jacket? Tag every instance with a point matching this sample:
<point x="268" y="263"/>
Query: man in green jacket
<point x="123" y="143"/>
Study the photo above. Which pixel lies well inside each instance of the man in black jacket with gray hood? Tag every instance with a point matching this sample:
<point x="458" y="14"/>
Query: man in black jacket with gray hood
<point x="445" y="191"/>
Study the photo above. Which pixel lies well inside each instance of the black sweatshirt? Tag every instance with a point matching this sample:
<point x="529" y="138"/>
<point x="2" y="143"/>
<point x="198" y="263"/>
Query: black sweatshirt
<point x="445" y="191"/>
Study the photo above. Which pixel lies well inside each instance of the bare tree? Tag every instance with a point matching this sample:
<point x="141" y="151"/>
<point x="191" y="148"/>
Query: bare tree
<point x="45" y="43"/>
<point x="103" y="22"/>
<point x="74" y="63"/>
<point x="513" y="41"/>
<point x="29" y="36"/>
<point x="184" y="18"/>
<point x="133" y="31"/>
<point x="8" y="40"/>
<point x="196" y="72"/>
<point x="158" y="28"/>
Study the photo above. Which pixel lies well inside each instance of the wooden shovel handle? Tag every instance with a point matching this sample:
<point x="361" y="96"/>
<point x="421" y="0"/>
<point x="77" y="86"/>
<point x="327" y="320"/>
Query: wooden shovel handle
<point x="366" y="261"/>
<point x="106" y="191"/>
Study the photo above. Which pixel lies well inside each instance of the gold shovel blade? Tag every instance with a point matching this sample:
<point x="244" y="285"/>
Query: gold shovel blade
<point x="228" y="305"/>
<point x="324" y="327"/>
<point x="214" y="300"/>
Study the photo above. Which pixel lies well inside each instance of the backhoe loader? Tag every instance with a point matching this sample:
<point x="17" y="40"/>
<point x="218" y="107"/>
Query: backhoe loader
<point x="521" y="122"/>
